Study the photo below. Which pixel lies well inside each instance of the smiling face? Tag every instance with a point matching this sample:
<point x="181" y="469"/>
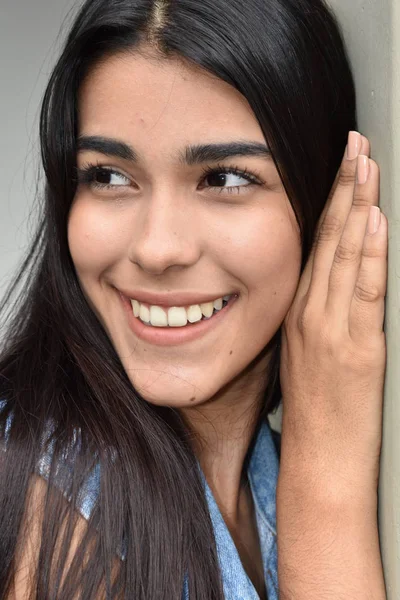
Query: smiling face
<point x="160" y="220"/>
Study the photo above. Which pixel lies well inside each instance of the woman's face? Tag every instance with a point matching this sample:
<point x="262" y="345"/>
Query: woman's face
<point x="148" y="223"/>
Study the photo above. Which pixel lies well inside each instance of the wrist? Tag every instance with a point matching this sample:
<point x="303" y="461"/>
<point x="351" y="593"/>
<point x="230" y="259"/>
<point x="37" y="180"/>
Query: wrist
<point x="322" y="484"/>
<point x="328" y="467"/>
<point x="327" y="544"/>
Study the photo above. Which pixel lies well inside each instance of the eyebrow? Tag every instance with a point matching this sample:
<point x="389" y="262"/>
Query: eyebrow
<point x="191" y="155"/>
<point x="107" y="146"/>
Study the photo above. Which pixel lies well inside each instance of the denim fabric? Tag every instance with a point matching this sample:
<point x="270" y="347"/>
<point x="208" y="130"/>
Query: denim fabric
<point x="262" y="473"/>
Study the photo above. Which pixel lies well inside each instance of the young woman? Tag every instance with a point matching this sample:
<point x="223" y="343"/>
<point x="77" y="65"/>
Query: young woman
<point x="173" y="296"/>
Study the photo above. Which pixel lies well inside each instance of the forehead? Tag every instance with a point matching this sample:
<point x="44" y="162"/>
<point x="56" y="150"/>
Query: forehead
<point x="162" y="103"/>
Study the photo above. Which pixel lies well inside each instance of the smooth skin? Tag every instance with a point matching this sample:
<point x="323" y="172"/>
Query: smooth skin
<point x="333" y="367"/>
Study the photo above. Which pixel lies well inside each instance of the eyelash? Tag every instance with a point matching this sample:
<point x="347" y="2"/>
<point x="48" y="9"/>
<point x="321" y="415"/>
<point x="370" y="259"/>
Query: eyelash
<point x="86" y="176"/>
<point x="252" y="177"/>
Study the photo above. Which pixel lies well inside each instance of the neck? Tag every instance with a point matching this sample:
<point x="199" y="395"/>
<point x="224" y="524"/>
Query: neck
<point x="223" y="429"/>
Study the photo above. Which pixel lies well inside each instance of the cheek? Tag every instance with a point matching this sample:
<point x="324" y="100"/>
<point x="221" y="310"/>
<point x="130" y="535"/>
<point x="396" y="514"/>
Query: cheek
<point x="265" y="253"/>
<point x="94" y="239"/>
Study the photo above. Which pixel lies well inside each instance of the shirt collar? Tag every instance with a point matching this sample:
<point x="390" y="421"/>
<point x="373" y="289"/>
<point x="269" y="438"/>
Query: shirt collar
<point x="262" y="473"/>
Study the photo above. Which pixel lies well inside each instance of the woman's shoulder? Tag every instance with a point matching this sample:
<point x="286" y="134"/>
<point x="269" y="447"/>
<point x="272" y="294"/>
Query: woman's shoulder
<point x="62" y="469"/>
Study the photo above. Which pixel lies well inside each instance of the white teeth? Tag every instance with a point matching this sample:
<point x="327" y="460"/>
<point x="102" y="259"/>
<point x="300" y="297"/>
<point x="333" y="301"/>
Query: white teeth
<point x="207" y="309"/>
<point x="177" y="316"/>
<point x="136" y="307"/>
<point x="194" y="313"/>
<point x="144" y="314"/>
<point x="218" y="304"/>
<point x="158" y="317"/>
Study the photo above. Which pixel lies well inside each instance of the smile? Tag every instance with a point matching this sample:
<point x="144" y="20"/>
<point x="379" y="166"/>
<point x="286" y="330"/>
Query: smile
<point x="183" y="331"/>
<point x="177" y="316"/>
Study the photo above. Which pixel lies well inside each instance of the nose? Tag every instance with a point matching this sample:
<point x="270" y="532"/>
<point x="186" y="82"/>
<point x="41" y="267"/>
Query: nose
<point x="164" y="235"/>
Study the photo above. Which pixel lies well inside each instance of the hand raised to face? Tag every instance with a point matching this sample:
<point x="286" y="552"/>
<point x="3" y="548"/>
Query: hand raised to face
<point x="333" y="344"/>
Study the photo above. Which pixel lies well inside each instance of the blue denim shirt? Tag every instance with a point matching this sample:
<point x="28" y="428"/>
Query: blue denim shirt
<point x="262" y="473"/>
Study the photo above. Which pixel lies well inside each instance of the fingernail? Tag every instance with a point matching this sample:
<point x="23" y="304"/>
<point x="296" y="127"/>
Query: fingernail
<point x="374" y="219"/>
<point x="353" y="145"/>
<point x="362" y="169"/>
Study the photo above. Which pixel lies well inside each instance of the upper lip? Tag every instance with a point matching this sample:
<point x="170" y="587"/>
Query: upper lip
<point x="171" y="298"/>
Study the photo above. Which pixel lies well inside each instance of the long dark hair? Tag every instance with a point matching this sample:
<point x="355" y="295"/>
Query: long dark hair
<point x="57" y="363"/>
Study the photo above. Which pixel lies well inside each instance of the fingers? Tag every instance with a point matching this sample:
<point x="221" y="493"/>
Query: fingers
<point x="357" y="143"/>
<point x="347" y="256"/>
<point x="368" y="306"/>
<point x="347" y="270"/>
<point x="333" y="222"/>
<point x="365" y="147"/>
<point x="354" y="141"/>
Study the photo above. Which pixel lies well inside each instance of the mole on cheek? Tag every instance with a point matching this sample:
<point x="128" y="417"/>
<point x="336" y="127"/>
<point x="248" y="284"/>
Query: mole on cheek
<point x="231" y="352"/>
<point x="192" y="399"/>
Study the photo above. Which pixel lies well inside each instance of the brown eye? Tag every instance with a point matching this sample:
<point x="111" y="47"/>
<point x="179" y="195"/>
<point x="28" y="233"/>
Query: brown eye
<point x="110" y="178"/>
<point x="230" y="180"/>
<point x="101" y="177"/>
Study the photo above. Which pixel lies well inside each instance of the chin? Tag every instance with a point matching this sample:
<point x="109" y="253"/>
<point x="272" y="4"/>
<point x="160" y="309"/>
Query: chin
<point x="166" y="389"/>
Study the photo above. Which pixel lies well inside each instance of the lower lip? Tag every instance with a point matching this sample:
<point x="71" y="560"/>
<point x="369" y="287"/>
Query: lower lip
<point x="173" y="336"/>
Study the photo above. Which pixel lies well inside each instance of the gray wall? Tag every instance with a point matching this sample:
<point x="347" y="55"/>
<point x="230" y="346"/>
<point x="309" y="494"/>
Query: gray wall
<point x="29" y="31"/>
